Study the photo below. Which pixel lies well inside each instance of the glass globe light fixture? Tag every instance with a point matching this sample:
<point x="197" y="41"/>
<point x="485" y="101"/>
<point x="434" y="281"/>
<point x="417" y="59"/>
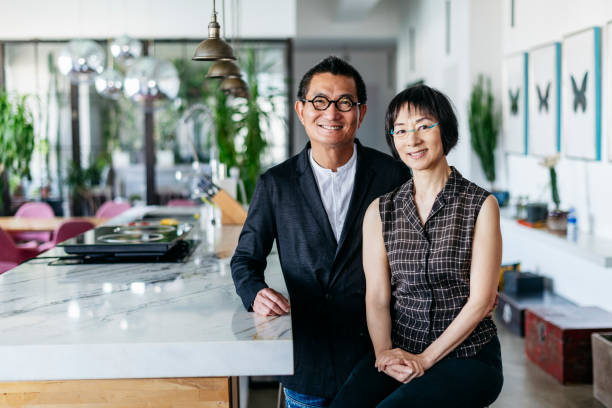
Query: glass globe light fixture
<point x="125" y="49"/>
<point x="81" y="60"/>
<point x="151" y="82"/>
<point x="109" y="84"/>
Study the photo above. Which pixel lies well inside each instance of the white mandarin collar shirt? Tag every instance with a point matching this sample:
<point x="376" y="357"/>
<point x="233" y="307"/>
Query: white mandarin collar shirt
<point x="336" y="189"/>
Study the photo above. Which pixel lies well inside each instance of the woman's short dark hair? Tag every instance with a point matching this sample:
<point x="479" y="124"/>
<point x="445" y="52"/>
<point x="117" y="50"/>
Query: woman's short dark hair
<point x="335" y="66"/>
<point x="429" y="101"/>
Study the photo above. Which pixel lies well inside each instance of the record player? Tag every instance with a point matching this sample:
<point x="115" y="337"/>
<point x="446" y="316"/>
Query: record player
<point x="142" y="239"/>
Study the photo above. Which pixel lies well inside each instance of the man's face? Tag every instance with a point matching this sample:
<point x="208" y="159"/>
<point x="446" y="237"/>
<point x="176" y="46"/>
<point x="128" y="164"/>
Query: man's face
<point x="331" y="127"/>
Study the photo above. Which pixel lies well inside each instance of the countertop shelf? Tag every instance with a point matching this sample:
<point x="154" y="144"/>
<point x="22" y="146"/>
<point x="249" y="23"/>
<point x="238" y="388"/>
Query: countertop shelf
<point x="595" y="249"/>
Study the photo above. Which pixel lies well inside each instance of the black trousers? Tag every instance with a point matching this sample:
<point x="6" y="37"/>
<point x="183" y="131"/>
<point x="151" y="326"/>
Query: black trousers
<point x="473" y="382"/>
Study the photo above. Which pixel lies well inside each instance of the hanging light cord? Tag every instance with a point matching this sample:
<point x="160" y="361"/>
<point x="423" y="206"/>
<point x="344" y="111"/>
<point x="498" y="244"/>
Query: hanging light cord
<point x="223" y="12"/>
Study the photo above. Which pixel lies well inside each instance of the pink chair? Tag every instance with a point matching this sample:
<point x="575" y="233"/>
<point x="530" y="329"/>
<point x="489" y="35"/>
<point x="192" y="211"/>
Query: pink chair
<point x="11" y="255"/>
<point x="34" y="210"/>
<point x="5" y="266"/>
<point x="66" y="230"/>
<point x="181" y="203"/>
<point x="111" y="209"/>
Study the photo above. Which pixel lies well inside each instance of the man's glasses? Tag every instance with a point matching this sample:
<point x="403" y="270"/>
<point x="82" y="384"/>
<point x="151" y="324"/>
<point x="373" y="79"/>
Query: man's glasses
<point x="420" y="130"/>
<point x="321" y="103"/>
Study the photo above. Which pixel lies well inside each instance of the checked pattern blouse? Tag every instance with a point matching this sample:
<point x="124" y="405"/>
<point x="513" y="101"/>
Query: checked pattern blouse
<point x="430" y="264"/>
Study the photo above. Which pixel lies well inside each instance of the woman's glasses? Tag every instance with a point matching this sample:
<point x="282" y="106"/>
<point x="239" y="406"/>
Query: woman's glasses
<point x="420" y="130"/>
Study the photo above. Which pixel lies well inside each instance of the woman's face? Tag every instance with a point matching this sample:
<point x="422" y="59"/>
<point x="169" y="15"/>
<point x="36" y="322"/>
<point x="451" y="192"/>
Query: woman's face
<point x="417" y="138"/>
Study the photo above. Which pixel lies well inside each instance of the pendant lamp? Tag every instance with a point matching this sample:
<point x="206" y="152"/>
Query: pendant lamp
<point x="81" y="60"/>
<point x="125" y="50"/>
<point x="222" y="69"/>
<point x="235" y="86"/>
<point x="151" y="81"/>
<point x="213" y="48"/>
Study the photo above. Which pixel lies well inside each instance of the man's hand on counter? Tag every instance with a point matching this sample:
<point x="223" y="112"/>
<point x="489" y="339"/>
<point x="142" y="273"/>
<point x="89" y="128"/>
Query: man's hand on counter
<point x="269" y="302"/>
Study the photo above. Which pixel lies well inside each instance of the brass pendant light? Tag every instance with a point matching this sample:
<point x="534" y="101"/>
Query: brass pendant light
<point x="222" y="69"/>
<point x="240" y="93"/>
<point x="213" y="48"/>
<point x="235" y="86"/>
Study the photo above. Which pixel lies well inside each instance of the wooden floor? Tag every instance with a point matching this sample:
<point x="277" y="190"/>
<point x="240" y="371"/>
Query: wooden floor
<point x="525" y="384"/>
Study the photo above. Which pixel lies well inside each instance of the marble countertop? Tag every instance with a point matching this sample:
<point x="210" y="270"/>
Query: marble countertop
<point x="146" y="320"/>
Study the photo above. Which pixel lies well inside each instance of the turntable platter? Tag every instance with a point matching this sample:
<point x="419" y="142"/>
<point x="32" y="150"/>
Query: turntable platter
<point x="130" y="238"/>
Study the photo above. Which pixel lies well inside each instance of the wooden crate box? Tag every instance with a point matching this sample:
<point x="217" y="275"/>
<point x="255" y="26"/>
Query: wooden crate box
<point x="602" y="367"/>
<point x="558" y="339"/>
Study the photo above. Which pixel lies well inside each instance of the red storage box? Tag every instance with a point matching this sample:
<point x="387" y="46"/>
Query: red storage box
<point x="558" y="339"/>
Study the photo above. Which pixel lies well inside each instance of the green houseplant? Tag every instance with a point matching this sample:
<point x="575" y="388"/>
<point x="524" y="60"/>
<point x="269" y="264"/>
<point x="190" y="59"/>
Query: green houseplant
<point x="253" y="118"/>
<point x="16" y="140"/>
<point x="484" y="122"/>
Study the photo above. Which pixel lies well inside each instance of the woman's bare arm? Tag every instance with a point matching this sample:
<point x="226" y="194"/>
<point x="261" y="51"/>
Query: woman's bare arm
<point x="378" y="281"/>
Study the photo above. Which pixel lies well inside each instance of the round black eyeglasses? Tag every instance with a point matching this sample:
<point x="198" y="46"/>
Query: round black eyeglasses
<point x="321" y="103"/>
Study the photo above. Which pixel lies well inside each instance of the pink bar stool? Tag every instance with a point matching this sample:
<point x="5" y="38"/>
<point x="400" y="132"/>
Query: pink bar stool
<point x="11" y="255"/>
<point x="67" y="230"/>
<point x="34" y="210"/>
<point x="111" y="209"/>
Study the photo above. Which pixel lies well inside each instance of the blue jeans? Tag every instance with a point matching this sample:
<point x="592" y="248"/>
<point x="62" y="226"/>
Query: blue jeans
<point x="296" y="400"/>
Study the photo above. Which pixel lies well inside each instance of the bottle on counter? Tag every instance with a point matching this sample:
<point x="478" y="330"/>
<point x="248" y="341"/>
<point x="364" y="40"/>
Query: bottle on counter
<point x="572" y="225"/>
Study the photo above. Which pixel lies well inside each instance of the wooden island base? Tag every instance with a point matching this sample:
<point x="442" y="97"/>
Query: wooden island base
<point x="218" y="392"/>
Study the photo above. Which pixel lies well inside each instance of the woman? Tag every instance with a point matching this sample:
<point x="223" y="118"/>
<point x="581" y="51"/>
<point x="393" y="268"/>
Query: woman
<point x="431" y="254"/>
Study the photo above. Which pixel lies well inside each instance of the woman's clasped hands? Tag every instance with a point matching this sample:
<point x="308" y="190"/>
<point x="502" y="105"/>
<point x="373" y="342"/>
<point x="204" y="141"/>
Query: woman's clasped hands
<point x="401" y="365"/>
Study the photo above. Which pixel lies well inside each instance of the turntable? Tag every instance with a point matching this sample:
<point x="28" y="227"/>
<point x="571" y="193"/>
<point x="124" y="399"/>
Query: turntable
<point x="136" y="239"/>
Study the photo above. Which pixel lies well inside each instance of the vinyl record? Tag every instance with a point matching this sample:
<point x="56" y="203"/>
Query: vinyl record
<point x="130" y="238"/>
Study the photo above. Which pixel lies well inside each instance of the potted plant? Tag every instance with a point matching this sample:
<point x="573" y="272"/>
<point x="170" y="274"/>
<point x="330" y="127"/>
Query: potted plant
<point x="16" y="142"/>
<point x="484" y="122"/>
<point x="557" y="219"/>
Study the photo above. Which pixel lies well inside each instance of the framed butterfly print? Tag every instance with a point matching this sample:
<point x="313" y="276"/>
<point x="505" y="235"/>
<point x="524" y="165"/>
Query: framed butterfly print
<point x="545" y="100"/>
<point x="514" y="103"/>
<point x="581" y="82"/>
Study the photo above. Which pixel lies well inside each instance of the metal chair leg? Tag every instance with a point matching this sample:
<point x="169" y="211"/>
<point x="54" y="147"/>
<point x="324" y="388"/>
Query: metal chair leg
<point x="280" y="401"/>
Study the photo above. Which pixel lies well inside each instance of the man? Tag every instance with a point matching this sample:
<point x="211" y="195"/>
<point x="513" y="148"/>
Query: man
<point x="313" y="206"/>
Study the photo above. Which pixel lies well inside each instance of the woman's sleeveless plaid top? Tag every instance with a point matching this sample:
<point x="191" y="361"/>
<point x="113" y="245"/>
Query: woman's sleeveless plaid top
<point x="430" y="264"/>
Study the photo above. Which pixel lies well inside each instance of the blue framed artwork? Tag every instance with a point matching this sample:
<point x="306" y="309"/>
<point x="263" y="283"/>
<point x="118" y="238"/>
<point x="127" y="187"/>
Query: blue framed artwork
<point x="581" y="131"/>
<point x="545" y="100"/>
<point x="515" y="103"/>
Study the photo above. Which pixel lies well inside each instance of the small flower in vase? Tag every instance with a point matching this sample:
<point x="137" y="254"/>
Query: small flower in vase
<point x="557" y="219"/>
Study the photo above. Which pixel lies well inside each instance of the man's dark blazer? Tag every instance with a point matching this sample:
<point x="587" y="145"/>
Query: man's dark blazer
<point x="324" y="278"/>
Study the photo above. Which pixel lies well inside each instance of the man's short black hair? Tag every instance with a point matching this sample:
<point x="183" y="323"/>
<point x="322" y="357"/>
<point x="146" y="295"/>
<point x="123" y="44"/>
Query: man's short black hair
<point x="429" y="101"/>
<point x="335" y="66"/>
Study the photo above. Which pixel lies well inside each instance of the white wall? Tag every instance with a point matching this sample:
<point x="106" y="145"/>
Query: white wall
<point x="60" y="19"/>
<point x="317" y="20"/>
<point x="480" y="36"/>
<point x="585" y="185"/>
<point x="475" y="39"/>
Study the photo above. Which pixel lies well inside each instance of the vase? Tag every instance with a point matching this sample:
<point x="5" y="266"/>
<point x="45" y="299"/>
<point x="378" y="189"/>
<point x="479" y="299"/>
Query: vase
<point x="501" y="196"/>
<point x="557" y="222"/>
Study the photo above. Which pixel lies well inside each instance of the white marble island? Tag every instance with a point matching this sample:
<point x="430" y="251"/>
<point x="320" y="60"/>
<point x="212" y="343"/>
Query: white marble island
<point x="136" y="321"/>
